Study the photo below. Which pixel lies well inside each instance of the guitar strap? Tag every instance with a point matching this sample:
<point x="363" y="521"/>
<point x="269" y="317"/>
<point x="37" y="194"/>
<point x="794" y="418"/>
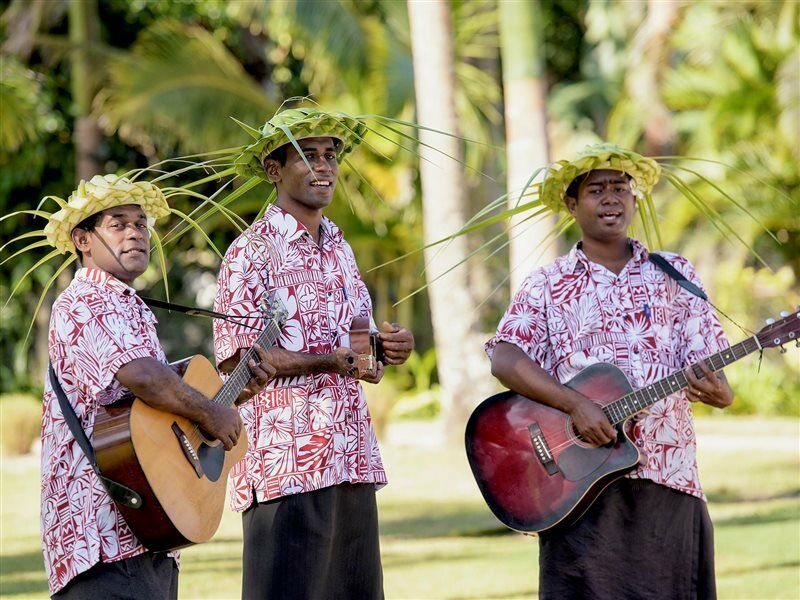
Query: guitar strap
<point x="673" y="273"/>
<point x="195" y="312"/>
<point x="119" y="493"/>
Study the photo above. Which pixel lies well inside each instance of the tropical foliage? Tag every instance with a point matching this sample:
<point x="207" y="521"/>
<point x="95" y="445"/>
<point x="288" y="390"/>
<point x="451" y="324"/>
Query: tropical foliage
<point x="713" y="80"/>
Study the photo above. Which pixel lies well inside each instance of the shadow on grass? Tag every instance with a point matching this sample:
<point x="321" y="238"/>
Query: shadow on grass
<point x="13" y="574"/>
<point x="438" y="520"/>
<point x="529" y="593"/>
<point x="760" y="568"/>
<point x="21" y="563"/>
<point x="779" y="515"/>
<point x="391" y="560"/>
<point x="730" y="496"/>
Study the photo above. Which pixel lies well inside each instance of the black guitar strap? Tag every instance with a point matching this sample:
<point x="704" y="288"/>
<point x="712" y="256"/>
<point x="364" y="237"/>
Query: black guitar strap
<point x="119" y="493"/>
<point x="195" y="312"/>
<point x="672" y="272"/>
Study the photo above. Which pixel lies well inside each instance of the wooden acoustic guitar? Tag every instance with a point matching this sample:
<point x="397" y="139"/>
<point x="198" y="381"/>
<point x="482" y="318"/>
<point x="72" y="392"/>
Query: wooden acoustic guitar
<point x="537" y="474"/>
<point x="177" y="472"/>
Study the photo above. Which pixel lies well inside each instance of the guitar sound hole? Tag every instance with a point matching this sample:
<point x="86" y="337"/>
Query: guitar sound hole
<point x="610" y="444"/>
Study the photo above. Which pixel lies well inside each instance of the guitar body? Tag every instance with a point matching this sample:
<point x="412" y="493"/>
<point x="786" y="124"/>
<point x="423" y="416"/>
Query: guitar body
<point x="180" y="475"/>
<point x="532" y="469"/>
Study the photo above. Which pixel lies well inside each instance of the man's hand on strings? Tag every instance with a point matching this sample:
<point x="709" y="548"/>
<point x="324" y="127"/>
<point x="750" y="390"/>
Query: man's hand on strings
<point x="262" y="372"/>
<point x="591" y="422"/>
<point x="711" y="389"/>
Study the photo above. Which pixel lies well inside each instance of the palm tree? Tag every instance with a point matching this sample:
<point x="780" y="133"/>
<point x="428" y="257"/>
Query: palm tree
<point x="526" y="129"/>
<point x="83" y="32"/>
<point x="463" y="371"/>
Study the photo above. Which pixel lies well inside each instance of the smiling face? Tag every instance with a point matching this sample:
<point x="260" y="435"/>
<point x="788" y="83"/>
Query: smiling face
<point x="605" y="205"/>
<point x="299" y="188"/>
<point x="119" y="242"/>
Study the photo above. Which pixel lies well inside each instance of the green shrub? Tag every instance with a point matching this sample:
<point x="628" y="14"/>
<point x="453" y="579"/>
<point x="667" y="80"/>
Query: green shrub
<point x="769" y="389"/>
<point x="20" y="422"/>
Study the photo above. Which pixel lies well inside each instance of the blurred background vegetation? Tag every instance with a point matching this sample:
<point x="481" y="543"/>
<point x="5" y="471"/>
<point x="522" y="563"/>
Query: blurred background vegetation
<point x="89" y="87"/>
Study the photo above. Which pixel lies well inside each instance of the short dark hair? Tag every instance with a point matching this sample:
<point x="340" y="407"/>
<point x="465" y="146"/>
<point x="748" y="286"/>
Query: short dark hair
<point x="278" y="154"/>
<point x="575" y="185"/>
<point x="88" y="224"/>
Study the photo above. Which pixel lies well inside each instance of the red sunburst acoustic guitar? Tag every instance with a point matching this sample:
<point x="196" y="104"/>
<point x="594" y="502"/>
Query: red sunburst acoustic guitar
<point x="179" y="474"/>
<point x="537" y="474"/>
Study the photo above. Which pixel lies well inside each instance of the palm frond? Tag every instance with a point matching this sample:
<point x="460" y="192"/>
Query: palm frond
<point x="177" y="75"/>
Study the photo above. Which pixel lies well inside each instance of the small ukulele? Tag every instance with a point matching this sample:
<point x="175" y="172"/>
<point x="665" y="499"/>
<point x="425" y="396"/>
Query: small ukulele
<point x="367" y="344"/>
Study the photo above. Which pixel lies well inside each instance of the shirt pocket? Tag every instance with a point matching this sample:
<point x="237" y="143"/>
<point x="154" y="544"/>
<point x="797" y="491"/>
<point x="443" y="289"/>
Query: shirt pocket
<point x="342" y="301"/>
<point x="663" y="321"/>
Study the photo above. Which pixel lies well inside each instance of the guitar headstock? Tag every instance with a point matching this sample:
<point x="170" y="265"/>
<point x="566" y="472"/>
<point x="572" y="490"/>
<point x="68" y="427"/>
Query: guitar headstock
<point x="274" y="310"/>
<point x="777" y="333"/>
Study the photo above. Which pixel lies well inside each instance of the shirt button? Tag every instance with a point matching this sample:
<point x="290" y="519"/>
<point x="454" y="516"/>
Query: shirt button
<point x="636" y="350"/>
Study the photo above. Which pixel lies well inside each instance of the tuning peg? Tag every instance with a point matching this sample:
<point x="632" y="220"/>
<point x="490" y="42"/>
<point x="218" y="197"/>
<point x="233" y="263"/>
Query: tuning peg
<point x="770" y="321"/>
<point x="782" y="350"/>
<point x="784" y="313"/>
<point x="797" y="343"/>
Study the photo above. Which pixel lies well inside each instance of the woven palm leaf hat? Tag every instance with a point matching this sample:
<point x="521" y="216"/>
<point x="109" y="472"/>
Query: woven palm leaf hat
<point x="90" y="197"/>
<point x="291" y="125"/>
<point x="244" y="164"/>
<point x="546" y="197"/>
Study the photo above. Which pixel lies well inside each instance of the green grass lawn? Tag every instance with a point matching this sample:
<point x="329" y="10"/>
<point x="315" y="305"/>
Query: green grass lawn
<point x="440" y="541"/>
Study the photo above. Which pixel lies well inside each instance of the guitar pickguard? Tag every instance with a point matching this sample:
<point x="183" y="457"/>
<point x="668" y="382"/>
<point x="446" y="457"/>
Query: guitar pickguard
<point x="577" y="462"/>
<point x="207" y="461"/>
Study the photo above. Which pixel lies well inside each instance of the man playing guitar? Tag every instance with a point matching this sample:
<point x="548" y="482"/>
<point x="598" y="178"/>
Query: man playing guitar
<point x="102" y="343"/>
<point x="649" y="534"/>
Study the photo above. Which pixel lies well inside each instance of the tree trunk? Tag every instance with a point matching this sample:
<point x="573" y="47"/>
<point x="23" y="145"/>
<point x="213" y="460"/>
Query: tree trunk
<point x="463" y="368"/>
<point x="526" y="129"/>
<point x="83" y="31"/>
<point x="648" y="58"/>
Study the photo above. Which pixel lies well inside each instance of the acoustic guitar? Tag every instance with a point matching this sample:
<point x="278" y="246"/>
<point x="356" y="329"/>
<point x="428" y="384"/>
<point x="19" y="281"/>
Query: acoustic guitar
<point x="534" y="470"/>
<point x="178" y="473"/>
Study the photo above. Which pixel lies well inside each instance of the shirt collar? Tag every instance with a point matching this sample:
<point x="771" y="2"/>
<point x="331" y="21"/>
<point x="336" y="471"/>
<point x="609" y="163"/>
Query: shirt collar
<point x="576" y="259"/>
<point x="285" y="225"/>
<point x="105" y="280"/>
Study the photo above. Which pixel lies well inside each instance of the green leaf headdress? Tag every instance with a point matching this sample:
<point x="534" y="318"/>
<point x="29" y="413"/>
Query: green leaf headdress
<point x="288" y="126"/>
<point x="644" y="172"/>
<point x="538" y="200"/>
<point x="291" y="125"/>
<point x="91" y="197"/>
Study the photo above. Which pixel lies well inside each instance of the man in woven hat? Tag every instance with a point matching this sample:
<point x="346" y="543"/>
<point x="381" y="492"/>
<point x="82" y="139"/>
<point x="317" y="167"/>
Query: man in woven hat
<point x="102" y="345"/>
<point x="649" y="534"/>
<point x="307" y="484"/>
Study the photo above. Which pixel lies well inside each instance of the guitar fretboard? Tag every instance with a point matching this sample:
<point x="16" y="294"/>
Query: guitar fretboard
<point x="241" y="374"/>
<point x="630" y="404"/>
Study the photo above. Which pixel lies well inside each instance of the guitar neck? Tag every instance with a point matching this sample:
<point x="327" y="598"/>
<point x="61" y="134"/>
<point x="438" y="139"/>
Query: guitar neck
<point x="639" y="400"/>
<point x="240" y="375"/>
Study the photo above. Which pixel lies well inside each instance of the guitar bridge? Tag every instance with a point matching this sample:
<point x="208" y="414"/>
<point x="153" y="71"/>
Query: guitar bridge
<point x="542" y="450"/>
<point x="188" y="449"/>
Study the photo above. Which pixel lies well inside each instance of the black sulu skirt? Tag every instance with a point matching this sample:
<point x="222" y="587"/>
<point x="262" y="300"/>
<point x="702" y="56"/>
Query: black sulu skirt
<point x="639" y="540"/>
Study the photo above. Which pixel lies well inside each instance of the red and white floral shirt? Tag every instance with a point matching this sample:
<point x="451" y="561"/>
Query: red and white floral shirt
<point x="573" y="313"/>
<point x="307" y="432"/>
<point x="97" y="325"/>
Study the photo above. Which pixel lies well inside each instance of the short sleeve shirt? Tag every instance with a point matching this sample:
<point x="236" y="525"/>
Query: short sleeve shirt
<point x="306" y="432"/>
<point x="97" y="325"/>
<point x="573" y="313"/>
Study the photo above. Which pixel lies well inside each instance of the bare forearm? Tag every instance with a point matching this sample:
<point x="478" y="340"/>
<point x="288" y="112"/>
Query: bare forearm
<point x="159" y="386"/>
<point x="514" y="369"/>
<point x="288" y="363"/>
